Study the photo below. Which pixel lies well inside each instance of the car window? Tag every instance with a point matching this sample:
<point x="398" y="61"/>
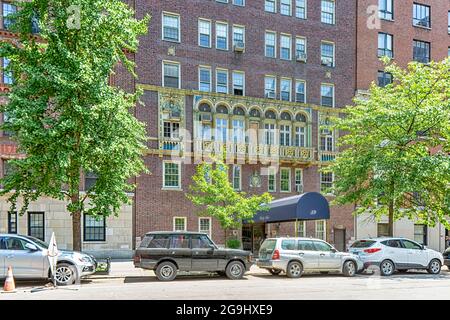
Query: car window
<point x="321" y="246"/>
<point x="306" y="245"/>
<point x="179" y="241"/>
<point x="288" y="244"/>
<point x="268" y="245"/>
<point x="363" y="244"/>
<point x="200" y="242"/>
<point x="15" y="244"/>
<point x="2" y="244"/>
<point x="393" y="243"/>
<point x="145" y="242"/>
<point x="411" y="245"/>
<point x="159" y="241"/>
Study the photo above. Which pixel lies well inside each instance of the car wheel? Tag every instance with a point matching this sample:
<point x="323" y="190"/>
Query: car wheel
<point x="166" y="271"/>
<point x="349" y="269"/>
<point x="235" y="270"/>
<point x="65" y="274"/>
<point x="387" y="268"/>
<point x="274" y="272"/>
<point x="434" y="267"/>
<point x="294" y="269"/>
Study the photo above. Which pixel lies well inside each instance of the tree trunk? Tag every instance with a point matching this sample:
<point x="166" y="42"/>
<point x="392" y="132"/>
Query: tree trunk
<point x="76" y="224"/>
<point x="391" y="218"/>
<point x="226" y="231"/>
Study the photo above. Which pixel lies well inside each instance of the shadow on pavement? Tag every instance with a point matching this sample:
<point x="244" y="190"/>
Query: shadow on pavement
<point x="185" y="277"/>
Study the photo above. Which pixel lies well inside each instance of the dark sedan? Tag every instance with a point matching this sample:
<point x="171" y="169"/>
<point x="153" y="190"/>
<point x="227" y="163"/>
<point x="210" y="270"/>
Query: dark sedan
<point x="446" y="255"/>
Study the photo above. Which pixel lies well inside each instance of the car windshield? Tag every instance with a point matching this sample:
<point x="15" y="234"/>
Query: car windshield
<point x="40" y="243"/>
<point x="362" y="244"/>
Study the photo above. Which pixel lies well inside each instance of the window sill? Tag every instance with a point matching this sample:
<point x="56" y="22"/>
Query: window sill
<point x="222" y="49"/>
<point x="94" y="241"/>
<point x="387" y="19"/>
<point x="285" y="191"/>
<point x="205" y="47"/>
<point x="171" y="41"/>
<point x="422" y="27"/>
<point x="171" y="189"/>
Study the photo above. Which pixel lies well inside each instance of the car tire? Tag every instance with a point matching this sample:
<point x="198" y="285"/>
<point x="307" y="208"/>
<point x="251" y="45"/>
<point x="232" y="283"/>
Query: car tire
<point x="387" y="268"/>
<point x="235" y="270"/>
<point x="274" y="272"/>
<point x="434" y="267"/>
<point x="294" y="269"/>
<point x="166" y="271"/>
<point x="349" y="269"/>
<point x="65" y="274"/>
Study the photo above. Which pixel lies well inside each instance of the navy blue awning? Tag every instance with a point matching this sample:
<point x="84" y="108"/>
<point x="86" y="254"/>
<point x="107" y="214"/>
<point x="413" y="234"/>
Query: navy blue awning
<point x="307" y="206"/>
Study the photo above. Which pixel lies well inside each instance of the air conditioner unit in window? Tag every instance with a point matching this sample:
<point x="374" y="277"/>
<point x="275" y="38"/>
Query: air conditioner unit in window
<point x="206" y="117"/>
<point x="301" y="57"/>
<point x="270" y="95"/>
<point x="239" y="46"/>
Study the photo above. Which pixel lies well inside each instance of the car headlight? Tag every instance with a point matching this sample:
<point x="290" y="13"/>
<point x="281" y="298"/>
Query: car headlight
<point x="85" y="259"/>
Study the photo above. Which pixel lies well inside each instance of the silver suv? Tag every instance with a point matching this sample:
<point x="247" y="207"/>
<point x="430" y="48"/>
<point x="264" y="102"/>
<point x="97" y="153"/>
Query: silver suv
<point x="28" y="258"/>
<point x="297" y="255"/>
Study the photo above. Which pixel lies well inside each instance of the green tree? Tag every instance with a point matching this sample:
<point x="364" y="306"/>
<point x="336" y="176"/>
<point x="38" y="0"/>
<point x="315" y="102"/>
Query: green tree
<point x="62" y="111"/>
<point x="215" y="196"/>
<point x="395" y="160"/>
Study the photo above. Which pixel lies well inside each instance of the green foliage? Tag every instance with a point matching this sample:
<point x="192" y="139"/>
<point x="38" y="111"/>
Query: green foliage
<point x="391" y="146"/>
<point x="213" y="193"/>
<point x="233" y="244"/>
<point x="62" y="111"/>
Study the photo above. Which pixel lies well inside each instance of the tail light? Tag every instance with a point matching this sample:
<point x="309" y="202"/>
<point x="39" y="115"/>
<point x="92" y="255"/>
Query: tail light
<point x="374" y="250"/>
<point x="276" y="255"/>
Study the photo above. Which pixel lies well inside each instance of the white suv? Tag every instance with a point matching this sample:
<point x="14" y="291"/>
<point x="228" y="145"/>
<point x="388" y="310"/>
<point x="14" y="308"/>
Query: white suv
<point x="391" y="254"/>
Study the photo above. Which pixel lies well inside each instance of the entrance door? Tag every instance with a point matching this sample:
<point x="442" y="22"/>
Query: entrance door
<point x="339" y="239"/>
<point x="258" y="236"/>
<point x="247" y="237"/>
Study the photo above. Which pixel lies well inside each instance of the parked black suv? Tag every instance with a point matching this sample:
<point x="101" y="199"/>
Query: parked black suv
<point x="446" y="255"/>
<point x="169" y="252"/>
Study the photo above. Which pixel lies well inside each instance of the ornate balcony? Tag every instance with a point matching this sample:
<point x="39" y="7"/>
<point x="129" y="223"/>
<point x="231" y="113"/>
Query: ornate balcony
<point x="327" y="156"/>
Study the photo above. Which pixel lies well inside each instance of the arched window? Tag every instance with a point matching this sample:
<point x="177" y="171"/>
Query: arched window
<point x="270" y="114"/>
<point x="238" y="111"/>
<point x="286" y="116"/>
<point x="204" y="107"/>
<point x="222" y="109"/>
<point x="255" y="113"/>
<point x="300" y="117"/>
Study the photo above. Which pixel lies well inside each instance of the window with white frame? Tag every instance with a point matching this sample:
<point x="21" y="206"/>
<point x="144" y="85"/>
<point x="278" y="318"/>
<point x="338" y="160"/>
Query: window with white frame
<point x="385" y="9"/>
<point x="270" y="6"/>
<point x="300" y="48"/>
<point x="221" y="36"/>
<point x="238" y="131"/>
<point x="7" y="75"/>
<point x="237" y="179"/>
<point x="285" y="179"/>
<point x="171" y="27"/>
<point x="269" y="133"/>
<point x="204" y="77"/>
<point x="285" y="7"/>
<point x="238" y="83"/>
<point x="298" y="180"/>
<point x="327" y="95"/>
<point x="204" y="33"/>
<point x="179" y="224"/>
<point x="271" y="177"/>
<point x="285" y="135"/>
<point x="326" y="182"/>
<point x="238" y="35"/>
<point x="326" y="142"/>
<point x="221" y="81"/>
<point x="270" y="44"/>
<point x="285" y="47"/>
<point x="327" y="53"/>
<point x="171" y="130"/>
<point x="171" y="175"/>
<point x="328" y="7"/>
<point x="8" y="9"/>
<point x="385" y="45"/>
<point x="321" y="231"/>
<point x="270" y="87"/>
<point x="171" y="74"/>
<point x="204" y="225"/>
<point x="300" y="9"/>
<point x="300" y="91"/>
<point x="285" y="89"/>
<point x="301" y="229"/>
<point x="300" y="136"/>
<point x="221" y="129"/>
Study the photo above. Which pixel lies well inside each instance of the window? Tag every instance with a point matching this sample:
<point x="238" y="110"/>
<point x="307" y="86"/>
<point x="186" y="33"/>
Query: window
<point x="221" y="130"/>
<point x="222" y="81"/>
<point x="385" y="45"/>
<point x="204" y="226"/>
<point x="159" y="241"/>
<point x="288" y="244"/>
<point x="300" y="91"/>
<point x="285" y="47"/>
<point x="285" y="180"/>
<point x="200" y="242"/>
<point x="13" y="243"/>
<point x="448" y="23"/>
<point x="238" y="83"/>
<point x="301" y="232"/>
<point x="7" y="75"/>
<point x="171" y="75"/>
<point x="238" y="36"/>
<point x="179" y="241"/>
<point x="270" y="87"/>
<point x="326" y="142"/>
<point x="305" y="245"/>
<point x="385" y="9"/>
<point x="300" y="48"/>
<point x="327" y="15"/>
<point x="285" y="7"/>
<point x="204" y="77"/>
<point x="171" y="27"/>
<point x="179" y="224"/>
<point x="326" y="182"/>
<point x="327" y="51"/>
<point x="36" y="226"/>
<point x="221" y="36"/>
<point x="239" y="3"/>
<point x="94" y="228"/>
<point x="285" y="89"/>
<point x="171" y="175"/>
<point x="269" y="133"/>
<point x="300" y="136"/>
<point x="321" y="233"/>
<point x="271" y="40"/>
<point x="421" y="15"/>
<point x="300" y="9"/>
<point x="299" y="181"/>
<point x="421" y="51"/>
<point x="272" y="184"/>
<point x="204" y="33"/>
<point x="384" y="78"/>
<point x="12" y="222"/>
<point x="238" y="131"/>
<point x="420" y="234"/>
<point x="327" y="95"/>
<point x="383" y="230"/>
<point x="237" y="177"/>
<point x="90" y="178"/>
<point x="171" y="130"/>
<point x="6" y="119"/>
<point x="8" y="9"/>
<point x="411" y="245"/>
<point x="270" y="6"/>
<point x="285" y="135"/>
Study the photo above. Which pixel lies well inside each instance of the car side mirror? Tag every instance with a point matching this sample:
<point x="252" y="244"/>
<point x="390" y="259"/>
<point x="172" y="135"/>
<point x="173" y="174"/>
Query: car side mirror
<point x="333" y="250"/>
<point x="211" y="247"/>
<point x="424" y="247"/>
<point x="31" y="247"/>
